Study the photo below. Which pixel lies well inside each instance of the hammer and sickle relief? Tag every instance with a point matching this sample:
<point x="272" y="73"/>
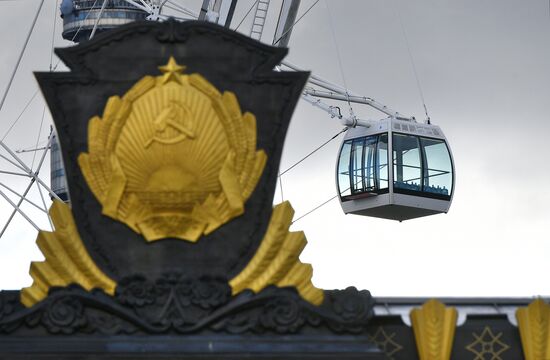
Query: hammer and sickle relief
<point x="172" y="126"/>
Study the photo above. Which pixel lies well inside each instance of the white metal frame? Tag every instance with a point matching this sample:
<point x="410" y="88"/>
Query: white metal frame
<point x="33" y="175"/>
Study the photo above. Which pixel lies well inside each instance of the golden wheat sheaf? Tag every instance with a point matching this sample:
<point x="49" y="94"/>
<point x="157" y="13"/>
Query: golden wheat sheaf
<point x="173" y="159"/>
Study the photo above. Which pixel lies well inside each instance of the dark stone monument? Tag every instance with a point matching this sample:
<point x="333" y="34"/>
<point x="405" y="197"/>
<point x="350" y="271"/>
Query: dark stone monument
<point x="171" y="248"/>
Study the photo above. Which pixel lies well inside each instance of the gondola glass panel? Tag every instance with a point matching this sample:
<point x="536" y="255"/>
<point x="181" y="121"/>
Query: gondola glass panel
<point x="407" y="163"/>
<point x="382" y="161"/>
<point x="357" y="169"/>
<point x="369" y="163"/>
<point x="438" y="177"/>
<point x="344" y="182"/>
<point x="363" y="165"/>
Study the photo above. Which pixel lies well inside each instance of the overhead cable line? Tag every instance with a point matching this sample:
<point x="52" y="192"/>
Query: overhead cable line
<point x="315" y="208"/>
<point x="178" y="10"/>
<point x="37" y="90"/>
<point x="183" y="9"/>
<point x="314" y="151"/>
<point x="296" y="22"/>
<point x="246" y="15"/>
<point x="304" y="158"/>
<point x="322" y="204"/>
<point x="411" y="58"/>
<point x="51" y="69"/>
<point x="53" y="33"/>
<point x="281" y="186"/>
<point x="21" y="55"/>
<point x="339" y="58"/>
<point x="19" y="116"/>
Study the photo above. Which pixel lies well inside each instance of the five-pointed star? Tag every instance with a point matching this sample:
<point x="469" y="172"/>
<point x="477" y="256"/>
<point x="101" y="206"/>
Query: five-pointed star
<point x="172" y="71"/>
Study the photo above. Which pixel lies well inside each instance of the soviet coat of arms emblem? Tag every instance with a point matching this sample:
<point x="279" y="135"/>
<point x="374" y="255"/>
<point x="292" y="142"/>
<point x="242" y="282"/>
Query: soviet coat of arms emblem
<point x="135" y="168"/>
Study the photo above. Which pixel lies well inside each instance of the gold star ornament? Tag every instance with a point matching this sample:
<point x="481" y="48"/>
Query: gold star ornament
<point x="172" y="71"/>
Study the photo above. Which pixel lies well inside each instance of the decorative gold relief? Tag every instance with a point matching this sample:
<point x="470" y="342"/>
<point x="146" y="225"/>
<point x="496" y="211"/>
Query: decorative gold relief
<point x="488" y="345"/>
<point x="67" y="261"/>
<point x="434" y="329"/>
<point x="276" y="261"/>
<point x="173" y="157"/>
<point x="385" y="341"/>
<point x="534" y="328"/>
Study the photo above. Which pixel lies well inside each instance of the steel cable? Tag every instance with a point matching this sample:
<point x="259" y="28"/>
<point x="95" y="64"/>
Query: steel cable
<point x="21" y="55"/>
<point x="246" y="15"/>
<point x="314" y="151"/>
<point x="296" y="22"/>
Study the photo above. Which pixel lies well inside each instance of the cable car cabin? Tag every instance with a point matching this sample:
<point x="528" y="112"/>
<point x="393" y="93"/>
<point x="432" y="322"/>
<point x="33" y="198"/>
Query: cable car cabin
<point x="396" y="170"/>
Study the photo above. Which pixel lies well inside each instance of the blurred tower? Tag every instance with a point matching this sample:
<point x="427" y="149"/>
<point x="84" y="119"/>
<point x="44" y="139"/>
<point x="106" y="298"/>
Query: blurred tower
<point x="58" y="182"/>
<point x="79" y="19"/>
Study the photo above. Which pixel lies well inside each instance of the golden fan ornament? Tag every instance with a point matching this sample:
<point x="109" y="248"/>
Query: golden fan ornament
<point x="174" y="157"/>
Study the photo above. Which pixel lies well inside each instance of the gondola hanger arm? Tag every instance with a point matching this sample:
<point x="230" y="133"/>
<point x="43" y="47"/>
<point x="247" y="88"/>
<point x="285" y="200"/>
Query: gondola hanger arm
<point x="336" y="92"/>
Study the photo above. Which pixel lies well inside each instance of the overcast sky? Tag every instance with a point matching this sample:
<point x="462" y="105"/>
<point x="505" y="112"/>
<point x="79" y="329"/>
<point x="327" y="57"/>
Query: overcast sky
<point x="483" y="66"/>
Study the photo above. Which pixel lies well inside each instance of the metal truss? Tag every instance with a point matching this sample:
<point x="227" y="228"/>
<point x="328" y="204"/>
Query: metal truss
<point x="19" y="168"/>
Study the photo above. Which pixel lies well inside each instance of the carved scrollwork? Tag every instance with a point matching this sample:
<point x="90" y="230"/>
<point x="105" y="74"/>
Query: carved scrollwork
<point x="211" y="294"/>
<point x="282" y="315"/>
<point x="8" y="304"/>
<point x="175" y="303"/>
<point x="135" y="291"/>
<point x="64" y="315"/>
<point x="169" y="32"/>
<point x="352" y="304"/>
